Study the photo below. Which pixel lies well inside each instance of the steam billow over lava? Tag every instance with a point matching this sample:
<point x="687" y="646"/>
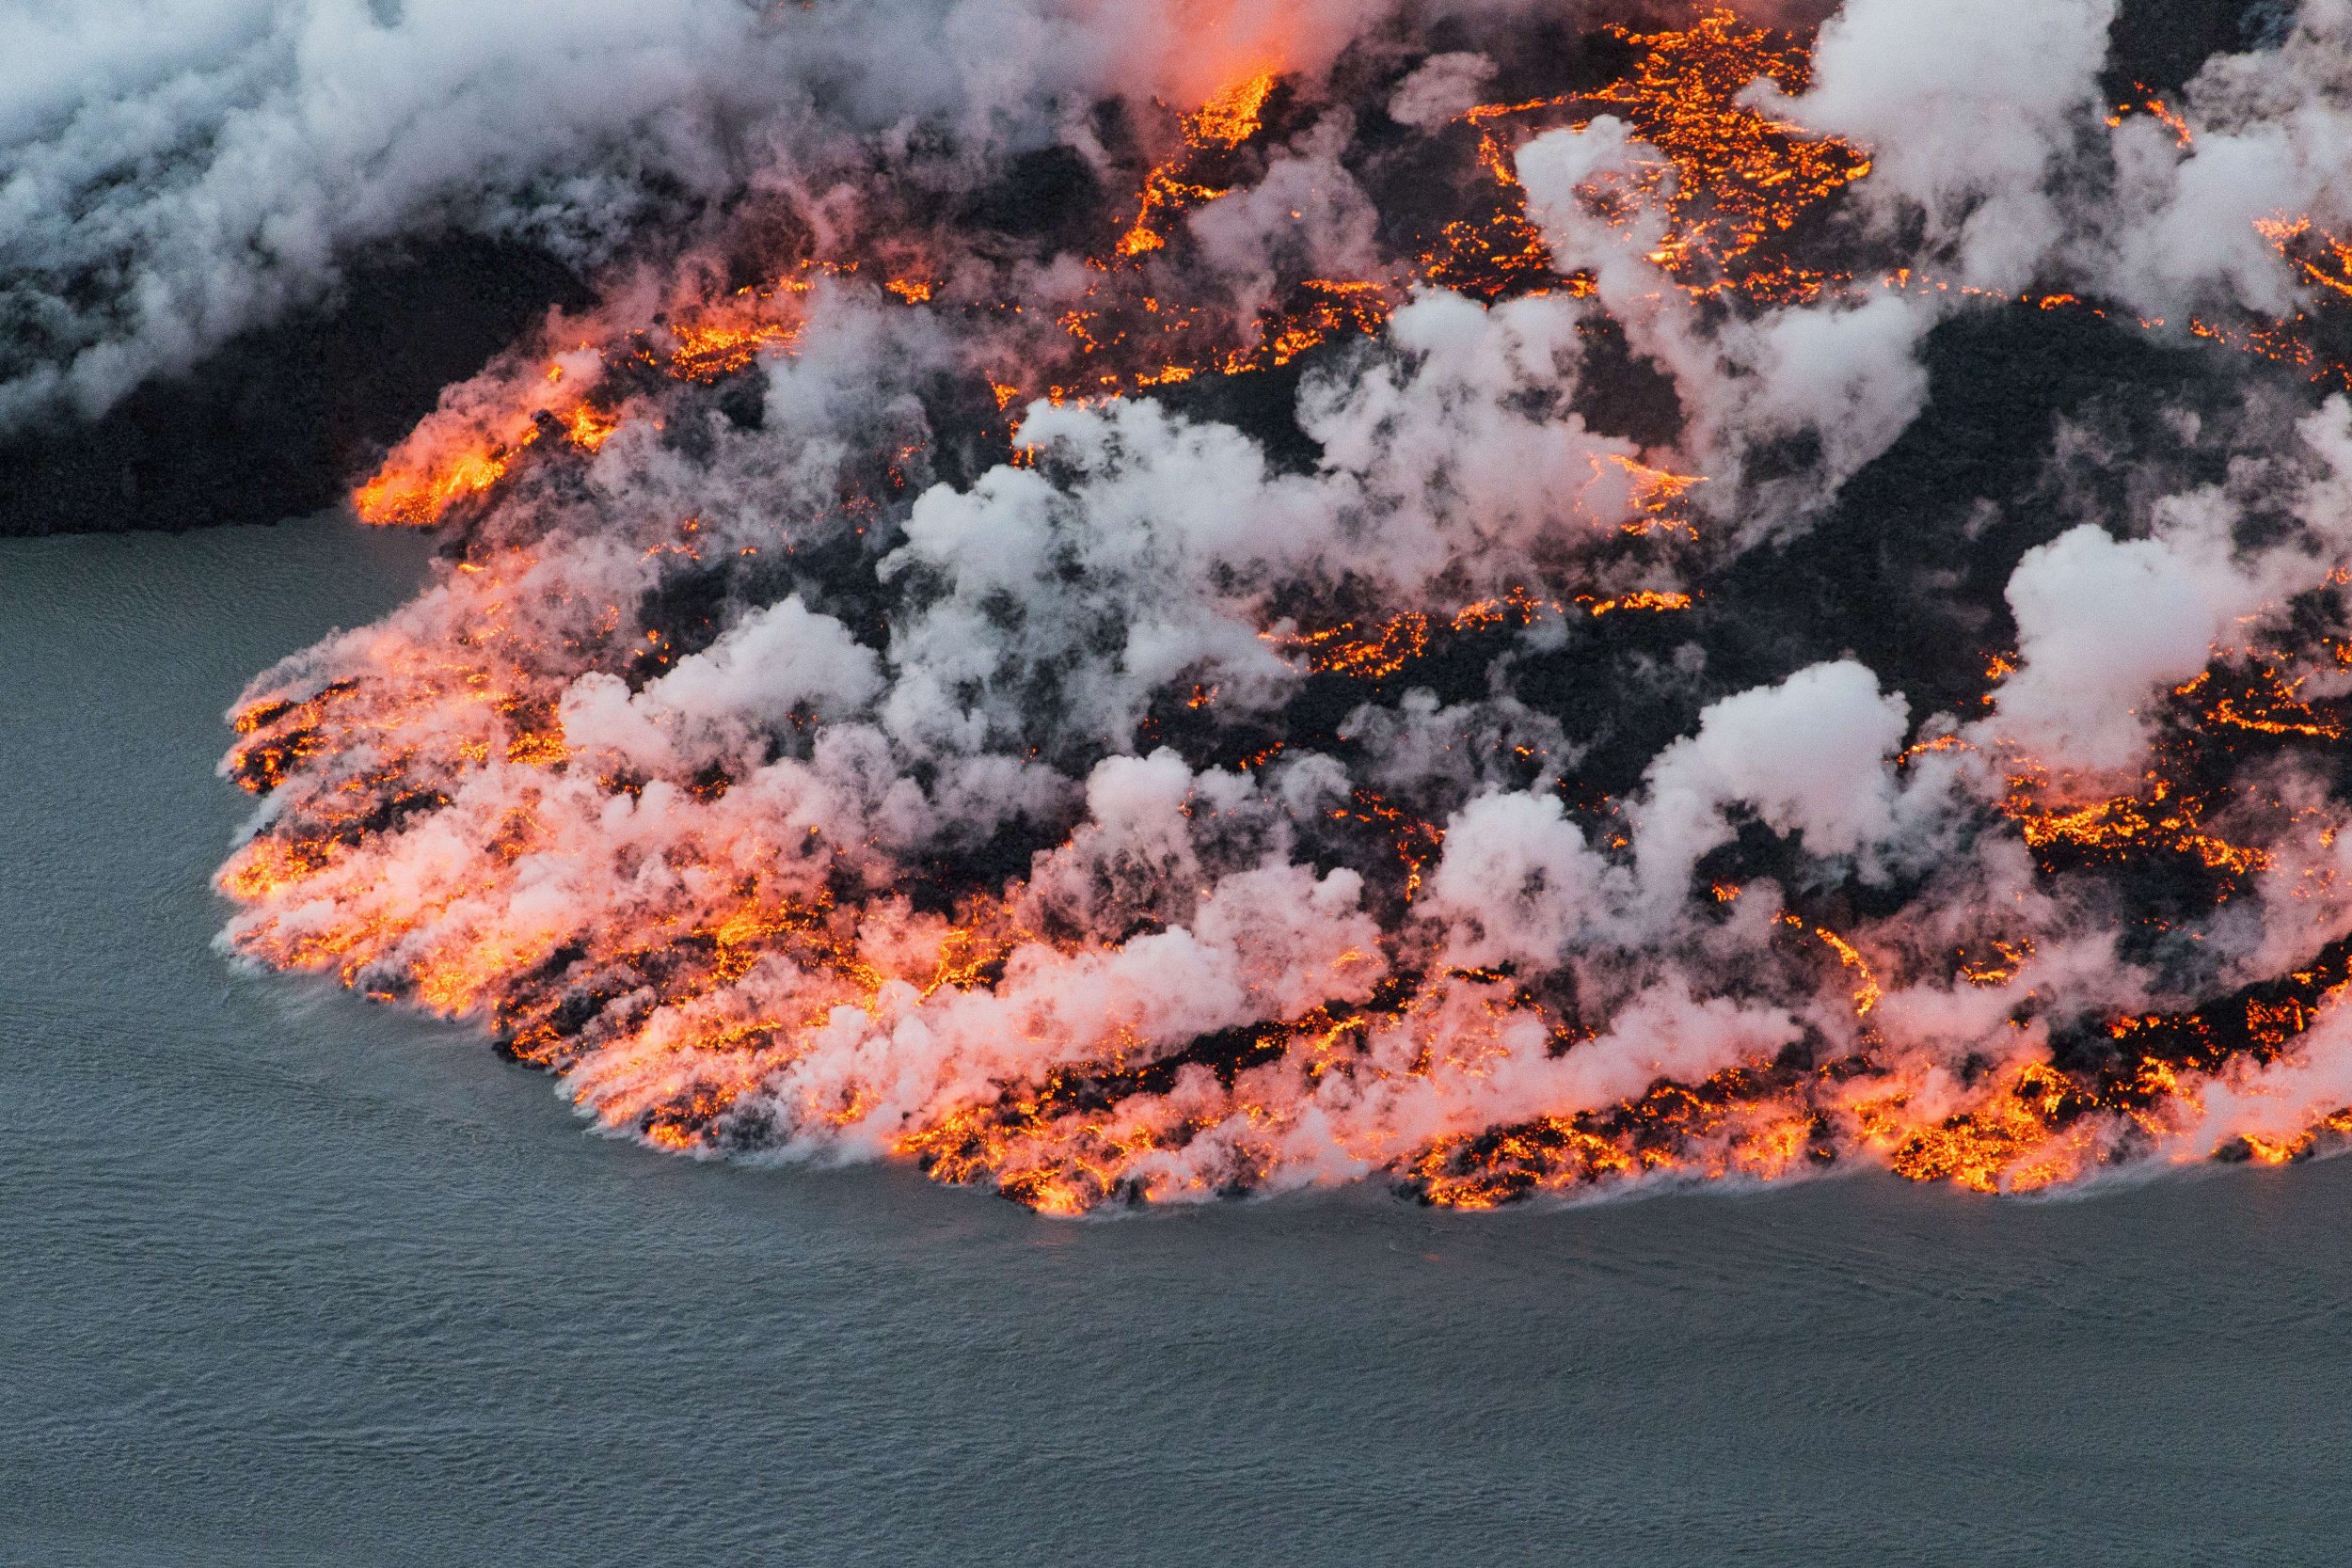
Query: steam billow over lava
<point x="1507" y="602"/>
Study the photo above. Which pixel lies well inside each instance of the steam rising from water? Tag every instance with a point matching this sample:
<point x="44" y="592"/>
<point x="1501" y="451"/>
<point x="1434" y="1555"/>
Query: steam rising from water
<point x="1133" y="649"/>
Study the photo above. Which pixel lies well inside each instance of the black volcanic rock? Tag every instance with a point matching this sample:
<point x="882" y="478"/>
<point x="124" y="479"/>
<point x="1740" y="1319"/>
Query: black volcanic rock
<point x="279" y="422"/>
<point x="2159" y="44"/>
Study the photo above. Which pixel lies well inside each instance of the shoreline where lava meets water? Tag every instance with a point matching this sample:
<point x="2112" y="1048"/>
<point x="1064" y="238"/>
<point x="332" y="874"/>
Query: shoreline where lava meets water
<point x="1507" y="600"/>
<point x="867" y="711"/>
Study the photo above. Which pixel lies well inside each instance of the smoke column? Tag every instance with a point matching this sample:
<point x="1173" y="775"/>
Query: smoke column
<point x="1135" y="603"/>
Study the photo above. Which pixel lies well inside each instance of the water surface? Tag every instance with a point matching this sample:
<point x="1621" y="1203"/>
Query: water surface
<point x="288" y="1278"/>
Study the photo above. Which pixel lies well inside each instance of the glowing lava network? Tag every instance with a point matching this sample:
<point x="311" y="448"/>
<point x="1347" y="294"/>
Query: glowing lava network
<point x="1171" y="710"/>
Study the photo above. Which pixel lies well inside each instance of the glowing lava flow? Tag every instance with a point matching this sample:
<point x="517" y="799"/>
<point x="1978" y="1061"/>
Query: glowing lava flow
<point x="1223" y="123"/>
<point x="1091" y="808"/>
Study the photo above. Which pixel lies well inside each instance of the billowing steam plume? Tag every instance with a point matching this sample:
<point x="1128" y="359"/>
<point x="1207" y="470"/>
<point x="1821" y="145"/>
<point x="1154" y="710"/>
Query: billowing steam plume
<point x="1150" y="601"/>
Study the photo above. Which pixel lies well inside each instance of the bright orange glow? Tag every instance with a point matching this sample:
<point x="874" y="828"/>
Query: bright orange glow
<point x="589" y="427"/>
<point x="463" y="452"/>
<point x="709" y="350"/>
<point x="2319" y="258"/>
<point x="1224" y="122"/>
<point x="1233" y="117"/>
<point x="413" y="499"/>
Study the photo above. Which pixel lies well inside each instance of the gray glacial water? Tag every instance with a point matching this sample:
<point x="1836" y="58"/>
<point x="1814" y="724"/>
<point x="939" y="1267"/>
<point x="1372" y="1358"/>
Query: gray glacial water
<point x="288" y="1278"/>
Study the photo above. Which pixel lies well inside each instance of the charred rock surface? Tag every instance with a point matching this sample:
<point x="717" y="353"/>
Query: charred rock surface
<point x="2157" y="45"/>
<point x="276" y="424"/>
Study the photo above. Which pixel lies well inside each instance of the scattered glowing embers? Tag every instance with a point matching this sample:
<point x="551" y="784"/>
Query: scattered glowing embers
<point x="2152" y="104"/>
<point x="281" y="736"/>
<point x="1372" y="653"/>
<point x="1730" y="180"/>
<point x="1073" y="1142"/>
<point x="1329" y="308"/>
<point x="2001" y="963"/>
<point x="2260" y="699"/>
<point x="1644" y="600"/>
<point x="1386" y="648"/>
<point x="2319" y="257"/>
<point x="1104" y="1131"/>
<point x="2026" y="1126"/>
<point x="1659" y="496"/>
<point x="2041" y="1123"/>
<point x="1415" y="842"/>
<point x="2162" y="819"/>
<point x="2023" y="1128"/>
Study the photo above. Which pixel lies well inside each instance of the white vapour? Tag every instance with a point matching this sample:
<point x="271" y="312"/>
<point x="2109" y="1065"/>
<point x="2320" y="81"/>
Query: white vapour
<point x="1968" y="106"/>
<point x="1810" y="756"/>
<point x="1845" y="372"/>
<point x="1985" y="121"/>
<point x="1517" y="883"/>
<point x="175" y="171"/>
<point x="774" y="663"/>
<point x="208" y="164"/>
<point x="1440" y="87"/>
<point x="2271" y="139"/>
<point x="2103" y="626"/>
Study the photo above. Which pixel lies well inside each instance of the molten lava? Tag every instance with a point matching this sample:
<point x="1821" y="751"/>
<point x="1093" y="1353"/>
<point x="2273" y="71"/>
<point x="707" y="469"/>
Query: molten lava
<point x="770" y="816"/>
